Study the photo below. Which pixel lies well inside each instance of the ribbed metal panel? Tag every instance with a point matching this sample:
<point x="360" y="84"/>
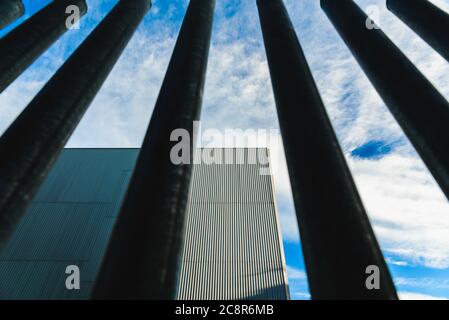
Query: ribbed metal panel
<point x="233" y="248"/>
<point x="69" y="222"/>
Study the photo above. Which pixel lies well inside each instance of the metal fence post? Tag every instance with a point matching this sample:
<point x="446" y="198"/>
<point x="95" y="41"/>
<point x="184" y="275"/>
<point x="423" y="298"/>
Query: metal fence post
<point x="419" y="108"/>
<point x="337" y="238"/>
<point x="10" y="11"/>
<point x="33" y="142"/>
<point x="23" y="45"/>
<point x="427" y="20"/>
<point x="144" y="253"/>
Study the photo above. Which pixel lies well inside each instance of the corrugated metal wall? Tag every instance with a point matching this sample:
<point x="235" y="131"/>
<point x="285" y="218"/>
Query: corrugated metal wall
<point x="69" y="222"/>
<point x="233" y="248"/>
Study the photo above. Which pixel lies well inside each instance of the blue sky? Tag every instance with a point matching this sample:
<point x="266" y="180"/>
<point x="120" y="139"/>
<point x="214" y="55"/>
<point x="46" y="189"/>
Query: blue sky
<point x="409" y="213"/>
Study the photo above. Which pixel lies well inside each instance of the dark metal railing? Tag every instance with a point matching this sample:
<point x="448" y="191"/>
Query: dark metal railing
<point x="337" y="239"/>
<point x="10" y="11"/>
<point x="32" y="143"/>
<point x="148" y="236"/>
<point x="23" y="45"/>
<point x="421" y="111"/>
<point x="143" y="256"/>
<point x="427" y="20"/>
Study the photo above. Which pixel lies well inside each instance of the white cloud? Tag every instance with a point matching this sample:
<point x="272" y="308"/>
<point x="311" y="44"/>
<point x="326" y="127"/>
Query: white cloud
<point x="409" y="213"/>
<point x="396" y="262"/>
<point x="297" y="284"/>
<point x="405" y="295"/>
<point x="295" y="274"/>
<point x="119" y="115"/>
<point x="300" y="295"/>
<point x="423" y="283"/>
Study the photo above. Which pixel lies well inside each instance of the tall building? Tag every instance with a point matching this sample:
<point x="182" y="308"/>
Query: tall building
<point x="69" y="222"/>
<point x="232" y="248"/>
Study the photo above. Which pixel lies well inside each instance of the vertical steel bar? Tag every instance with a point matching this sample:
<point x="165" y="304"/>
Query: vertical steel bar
<point x="23" y="45"/>
<point x="427" y="20"/>
<point x="33" y="142"/>
<point x="144" y="253"/>
<point x="10" y="11"/>
<point x="337" y="238"/>
<point x="419" y="108"/>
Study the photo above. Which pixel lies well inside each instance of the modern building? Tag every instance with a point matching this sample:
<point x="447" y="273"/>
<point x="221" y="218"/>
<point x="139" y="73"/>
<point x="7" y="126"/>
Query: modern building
<point x="233" y="248"/>
<point x="69" y="222"/>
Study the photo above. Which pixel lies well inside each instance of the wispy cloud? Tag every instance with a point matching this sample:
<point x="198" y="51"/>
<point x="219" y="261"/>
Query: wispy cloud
<point x="405" y="295"/>
<point x="409" y="213"/>
<point x="396" y="262"/>
<point x="297" y="283"/>
<point x="295" y="274"/>
<point x="432" y="283"/>
<point x="408" y="210"/>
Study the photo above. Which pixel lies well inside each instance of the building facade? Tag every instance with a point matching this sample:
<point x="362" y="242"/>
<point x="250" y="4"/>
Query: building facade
<point x="69" y="222"/>
<point x="232" y="248"/>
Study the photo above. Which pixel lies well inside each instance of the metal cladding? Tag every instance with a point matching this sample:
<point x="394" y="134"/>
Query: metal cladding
<point x="147" y="238"/>
<point x="419" y="108"/>
<point x="10" y="11"/>
<point x="69" y="222"/>
<point x="232" y="224"/>
<point x="23" y="45"/>
<point x="34" y="140"/>
<point x="427" y="20"/>
<point x="233" y="248"/>
<point x="337" y="239"/>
